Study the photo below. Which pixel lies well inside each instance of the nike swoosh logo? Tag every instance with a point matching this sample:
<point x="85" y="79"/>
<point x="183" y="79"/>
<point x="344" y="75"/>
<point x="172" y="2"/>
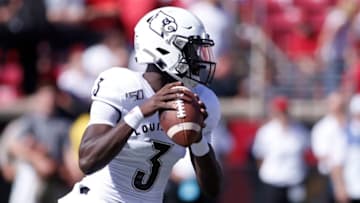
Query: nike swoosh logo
<point x="188" y="28"/>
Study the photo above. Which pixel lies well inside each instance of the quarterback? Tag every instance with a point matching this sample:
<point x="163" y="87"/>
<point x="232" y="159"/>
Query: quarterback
<point x="126" y="156"/>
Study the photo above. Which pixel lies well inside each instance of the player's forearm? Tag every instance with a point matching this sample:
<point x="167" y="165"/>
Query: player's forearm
<point x="208" y="173"/>
<point x="100" y="144"/>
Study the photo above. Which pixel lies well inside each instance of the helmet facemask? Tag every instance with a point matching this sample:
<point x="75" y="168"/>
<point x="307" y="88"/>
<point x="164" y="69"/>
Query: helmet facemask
<point x="197" y="64"/>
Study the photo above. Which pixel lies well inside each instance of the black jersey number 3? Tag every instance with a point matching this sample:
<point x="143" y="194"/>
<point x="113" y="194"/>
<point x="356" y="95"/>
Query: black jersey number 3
<point x="97" y="88"/>
<point x="138" y="180"/>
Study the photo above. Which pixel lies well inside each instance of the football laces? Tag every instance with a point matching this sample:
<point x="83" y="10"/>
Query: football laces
<point x="180" y="113"/>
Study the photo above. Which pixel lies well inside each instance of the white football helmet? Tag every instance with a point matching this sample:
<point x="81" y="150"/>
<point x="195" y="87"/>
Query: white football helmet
<point x="175" y="41"/>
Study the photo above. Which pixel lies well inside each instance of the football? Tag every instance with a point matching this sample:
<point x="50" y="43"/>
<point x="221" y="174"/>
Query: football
<point x="183" y="124"/>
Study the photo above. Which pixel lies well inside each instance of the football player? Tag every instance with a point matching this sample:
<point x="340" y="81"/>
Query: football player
<point x="124" y="153"/>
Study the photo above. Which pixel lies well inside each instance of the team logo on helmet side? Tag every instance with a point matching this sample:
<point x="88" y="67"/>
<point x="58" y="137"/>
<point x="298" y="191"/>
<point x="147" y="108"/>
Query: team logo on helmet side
<point x="162" y="24"/>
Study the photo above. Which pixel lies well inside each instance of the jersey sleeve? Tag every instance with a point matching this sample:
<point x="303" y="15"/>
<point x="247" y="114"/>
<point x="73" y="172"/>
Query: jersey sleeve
<point x="103" y="113"/>
<point x="109" y="101"/>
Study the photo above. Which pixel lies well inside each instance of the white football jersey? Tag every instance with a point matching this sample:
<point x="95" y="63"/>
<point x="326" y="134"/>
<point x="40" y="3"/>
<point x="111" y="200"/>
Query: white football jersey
<point x="139" y="173"/>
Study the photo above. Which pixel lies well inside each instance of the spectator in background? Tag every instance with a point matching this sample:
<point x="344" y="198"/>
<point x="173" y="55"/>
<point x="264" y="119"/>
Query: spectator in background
<point x="83" y="66"/>
<point x="112" y="49"/>
<point x="327" y="133"/>
<point x="7" y="162"/>
<point x="279" y="148"/>
<point x="40" y="150"/>
<point x="334" y="41"/>
<point x="301" y="51"/>
<point x="11" y="78"/>
<point x="22" y="25"/>
<point x="75" y="82"/>
<point x="80" y="21"/>
<point x="102" y="15"/>
<point x="69" y="24"/>
<point x="351" y="159"/>
<point x="65" y="11"/>
<point x="351" y="79"/>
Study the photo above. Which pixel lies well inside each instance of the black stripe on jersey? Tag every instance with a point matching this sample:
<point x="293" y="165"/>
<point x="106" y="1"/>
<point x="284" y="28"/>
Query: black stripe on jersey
<point x="119" y="112"/>
<point x="120" y="115"/>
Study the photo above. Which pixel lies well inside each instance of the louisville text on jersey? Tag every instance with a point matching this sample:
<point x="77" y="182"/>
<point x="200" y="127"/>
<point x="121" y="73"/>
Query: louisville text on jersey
<point x="147" y="128"/>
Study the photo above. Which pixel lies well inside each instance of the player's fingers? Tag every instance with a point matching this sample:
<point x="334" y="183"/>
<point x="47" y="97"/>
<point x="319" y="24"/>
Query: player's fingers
<point x="173" y="91"/>
<point x="173" y="96"/>
<point x="177" y="94"/>
<point x="186" y="98"/>
<point x="204" y="113"/>
<point x="203" y="124"/>
<point x="202" y="104"/>
<point x="170" y="97"/>
<point x="184" y="95"/>
<point x="171" y="85"/>
<point x="197" y="97"/>
<point x="168" y="105"/>
<point x="168" y="94"/>
<point x="188" y="93"/>
<point x="168" y="88"/>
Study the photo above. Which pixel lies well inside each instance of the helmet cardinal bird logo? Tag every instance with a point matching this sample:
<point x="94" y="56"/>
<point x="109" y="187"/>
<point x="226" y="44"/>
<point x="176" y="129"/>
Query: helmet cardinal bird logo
<point x="162" y="24"/>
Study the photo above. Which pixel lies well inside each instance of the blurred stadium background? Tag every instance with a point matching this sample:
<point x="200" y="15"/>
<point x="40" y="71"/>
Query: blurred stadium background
<point x="301" y="49"/>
